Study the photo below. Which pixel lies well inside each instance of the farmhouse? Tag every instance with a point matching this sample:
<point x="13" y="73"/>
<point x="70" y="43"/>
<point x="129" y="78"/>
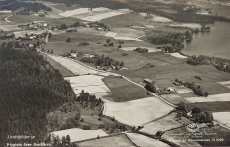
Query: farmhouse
<point x="146" y="80"/>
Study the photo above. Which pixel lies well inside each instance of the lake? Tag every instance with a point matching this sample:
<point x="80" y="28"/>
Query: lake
<point x="215" y="43"/>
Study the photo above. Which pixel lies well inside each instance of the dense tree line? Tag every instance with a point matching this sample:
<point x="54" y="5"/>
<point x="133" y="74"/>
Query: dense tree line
<point x="219" y="63"/>
<point x="141" y="50"/>
<point x="14" y="5"/>
<point x="29" y="89"/>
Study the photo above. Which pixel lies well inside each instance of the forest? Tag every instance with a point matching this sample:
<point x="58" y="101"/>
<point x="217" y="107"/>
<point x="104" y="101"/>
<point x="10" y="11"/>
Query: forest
<point x="30" y="88"/>
<point x="14" y="5"/>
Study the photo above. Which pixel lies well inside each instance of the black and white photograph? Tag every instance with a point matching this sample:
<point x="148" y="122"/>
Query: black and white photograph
<point x="114" y="73"/>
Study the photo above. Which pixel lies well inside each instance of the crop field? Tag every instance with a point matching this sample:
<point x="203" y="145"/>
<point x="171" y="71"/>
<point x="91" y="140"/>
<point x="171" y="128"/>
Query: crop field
<point x="76" y="36"/>
<point x="174" y="138"/>
<point x="225" y="83"/>
<point x="75" y="67"/>
<point x="145" y="141"/>
<point x="134" y="60"/>
<point x="182" y="89"/>
<point x="222" y="117"/>
<point x="91" y="31"/>
<point x="114" y="141"/>
<point x="56" y="65"/>
<point x="90" y="83"/>
<point x="210" y="98"/>
<point x="137" y="112"/>
<point x="52" y="21"/>
<point x="174" y="98"/>
<point x="190" y="25"/>
<point x="22" y="33"/>
<point x="215" y="88"/>
<point x="211" y="106"/>
<point x="128" y="32"/>
<point x="163" y="124"/>
<point x="79" y="134"/>
<point x="101" y="16"/>
<point x="122" y="21"/>
<point x="178" y="55"/>
<point x="123" y="90"/>
<point x="9" y="27"/>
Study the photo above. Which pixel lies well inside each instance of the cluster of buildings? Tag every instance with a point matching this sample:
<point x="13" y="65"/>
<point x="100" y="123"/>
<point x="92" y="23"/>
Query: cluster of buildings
<point x="34" y="25"/>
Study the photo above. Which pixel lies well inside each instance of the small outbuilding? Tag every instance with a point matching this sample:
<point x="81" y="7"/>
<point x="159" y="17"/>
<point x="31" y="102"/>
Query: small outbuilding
<point x="146" y="80"/>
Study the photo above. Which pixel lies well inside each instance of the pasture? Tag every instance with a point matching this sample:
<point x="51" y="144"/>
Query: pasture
<point x="163" y="124"/>
<point x="137" y="112"/>
<point x="79" y="134"/>
<point x="222" y="117"/>
<point x="113" y="141"/>
<point x="178" y="55"/>
<point x="123" y="90"/>
<point x="145" y="141"/>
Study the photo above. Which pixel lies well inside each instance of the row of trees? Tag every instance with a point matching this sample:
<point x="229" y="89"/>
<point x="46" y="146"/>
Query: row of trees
<point x="196" y="88"/>
<point x="219" y="63"/>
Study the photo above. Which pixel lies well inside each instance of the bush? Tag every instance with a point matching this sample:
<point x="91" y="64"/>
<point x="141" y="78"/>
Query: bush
<point x="68" y="39"/>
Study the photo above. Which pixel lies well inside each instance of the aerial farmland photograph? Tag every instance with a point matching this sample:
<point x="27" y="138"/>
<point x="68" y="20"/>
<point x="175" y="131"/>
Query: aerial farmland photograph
<point x="114" y="73"/>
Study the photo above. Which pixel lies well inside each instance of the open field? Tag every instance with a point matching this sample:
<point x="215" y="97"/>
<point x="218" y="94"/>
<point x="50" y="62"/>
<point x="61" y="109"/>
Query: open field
<point x="163" y="124"/>
<point x="79" y="134"/>
<point x="222" y="117"/>
<point x="56" y="65"/>
<point x="211" y="106"/>
<point x="90" y="83"/>
<point x="173" y="136"/>
<point x="123" y="90"/>
<point x="137" y="112"/>
<point x="145" y="141"/>
<point x="210" y="98"/>
<point x="114" y="141"/>
<point x="75" y="67"/>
